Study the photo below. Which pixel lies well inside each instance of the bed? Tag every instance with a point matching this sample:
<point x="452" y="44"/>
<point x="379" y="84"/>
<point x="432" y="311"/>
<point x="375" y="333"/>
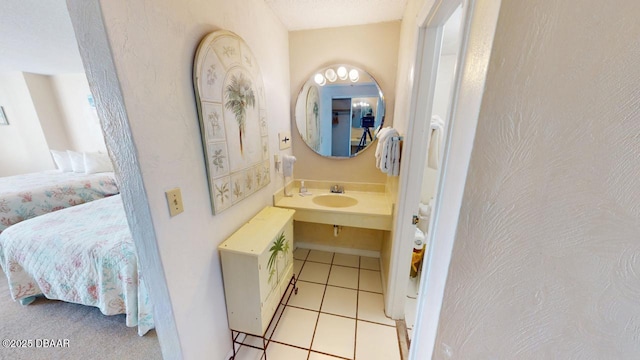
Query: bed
<point x="83" y="254"/>
<point x="26" y="196"/>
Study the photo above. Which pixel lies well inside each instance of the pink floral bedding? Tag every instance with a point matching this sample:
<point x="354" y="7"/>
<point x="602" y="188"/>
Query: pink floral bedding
<point x="26" y="196"/>
<point x="83" y="254"/>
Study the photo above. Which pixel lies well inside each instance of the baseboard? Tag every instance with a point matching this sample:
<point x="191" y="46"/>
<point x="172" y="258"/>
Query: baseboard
<point x="338" y="249"/>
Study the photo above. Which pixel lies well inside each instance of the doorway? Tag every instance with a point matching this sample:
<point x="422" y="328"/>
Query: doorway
<point x="478" y="23"/>
<point x="438" y="120"/>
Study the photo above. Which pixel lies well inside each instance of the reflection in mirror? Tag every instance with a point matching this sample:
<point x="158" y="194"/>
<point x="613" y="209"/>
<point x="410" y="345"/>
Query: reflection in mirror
<point x="338" y="111"/>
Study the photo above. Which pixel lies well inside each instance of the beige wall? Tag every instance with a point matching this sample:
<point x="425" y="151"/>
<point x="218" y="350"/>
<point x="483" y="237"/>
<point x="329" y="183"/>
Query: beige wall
<point x="23" y="147"/>
<point x="373" y="48"/>
<point x="47" y="108"/>
<point x="348" y="237"/>
<point x="81" y="120"/>
<point x="546" y="256"/>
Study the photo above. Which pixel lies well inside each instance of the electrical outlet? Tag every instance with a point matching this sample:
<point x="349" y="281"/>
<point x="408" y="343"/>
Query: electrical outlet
<point x="174" y="200"/>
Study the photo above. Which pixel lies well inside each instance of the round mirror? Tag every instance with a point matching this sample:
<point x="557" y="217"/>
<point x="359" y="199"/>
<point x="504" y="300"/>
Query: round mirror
<point x="338" y="111"/>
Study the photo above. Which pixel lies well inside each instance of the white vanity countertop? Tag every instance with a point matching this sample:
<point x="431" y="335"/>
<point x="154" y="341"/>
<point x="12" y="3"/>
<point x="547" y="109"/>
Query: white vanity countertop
<point x="373" y="209"/>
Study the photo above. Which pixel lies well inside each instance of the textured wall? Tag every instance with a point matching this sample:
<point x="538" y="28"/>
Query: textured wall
<point x="373" y="48"/>
<point x="153" y="44"/>
<point x="546" y="262"/>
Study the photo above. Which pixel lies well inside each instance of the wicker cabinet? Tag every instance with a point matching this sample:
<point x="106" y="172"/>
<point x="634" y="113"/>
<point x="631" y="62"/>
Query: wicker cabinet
<point x="257" y="266"/>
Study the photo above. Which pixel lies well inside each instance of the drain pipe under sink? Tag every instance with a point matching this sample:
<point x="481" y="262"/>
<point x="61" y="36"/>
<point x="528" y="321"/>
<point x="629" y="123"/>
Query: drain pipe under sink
<point x="336" y="230"/>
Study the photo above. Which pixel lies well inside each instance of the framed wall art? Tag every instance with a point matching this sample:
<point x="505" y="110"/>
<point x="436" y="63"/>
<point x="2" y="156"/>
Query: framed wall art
<point x="233" y="124"/>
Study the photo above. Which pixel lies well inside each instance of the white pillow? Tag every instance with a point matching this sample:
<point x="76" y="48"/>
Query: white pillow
<point x="97" y="162"/>
<point x="62" y="160"/>
<point x="77" y="161"/>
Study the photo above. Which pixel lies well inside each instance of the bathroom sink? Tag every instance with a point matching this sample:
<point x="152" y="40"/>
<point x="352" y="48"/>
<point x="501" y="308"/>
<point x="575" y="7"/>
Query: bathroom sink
<point x="336" y="201"/>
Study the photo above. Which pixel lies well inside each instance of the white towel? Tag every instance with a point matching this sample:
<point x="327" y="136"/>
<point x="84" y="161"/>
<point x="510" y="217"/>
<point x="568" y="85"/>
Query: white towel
<point x="390" y="154"/>
<point x="424" y="215"/>
<point x="381" y="136"/>
<point x="287" y="165"/>
<point x="435" y="142"/>
<point x="388" y="151"/>
<point x="395" y="156"/>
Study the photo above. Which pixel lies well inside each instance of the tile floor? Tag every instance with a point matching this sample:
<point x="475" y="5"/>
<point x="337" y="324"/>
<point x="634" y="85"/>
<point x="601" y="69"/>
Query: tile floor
<point x="338" y="313"/>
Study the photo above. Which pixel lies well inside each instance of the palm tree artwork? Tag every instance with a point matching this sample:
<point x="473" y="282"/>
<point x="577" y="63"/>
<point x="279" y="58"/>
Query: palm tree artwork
<point x="280" y="245"/>
<point x="239" y="95"/>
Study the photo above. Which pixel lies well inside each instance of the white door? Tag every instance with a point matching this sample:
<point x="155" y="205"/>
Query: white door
<point x="479" y="19"/>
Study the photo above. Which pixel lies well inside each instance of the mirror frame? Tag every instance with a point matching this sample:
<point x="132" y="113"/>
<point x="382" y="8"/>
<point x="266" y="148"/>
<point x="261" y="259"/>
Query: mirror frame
<point x="305" y="95"/>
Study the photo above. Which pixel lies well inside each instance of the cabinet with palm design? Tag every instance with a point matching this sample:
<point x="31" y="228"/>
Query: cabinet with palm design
<point x="257" y="266"/>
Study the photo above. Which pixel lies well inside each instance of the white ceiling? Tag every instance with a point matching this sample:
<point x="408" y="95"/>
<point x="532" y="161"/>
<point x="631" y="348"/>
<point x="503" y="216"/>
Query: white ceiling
<point x="316" y="14"/>
<point x="36" y="36"/>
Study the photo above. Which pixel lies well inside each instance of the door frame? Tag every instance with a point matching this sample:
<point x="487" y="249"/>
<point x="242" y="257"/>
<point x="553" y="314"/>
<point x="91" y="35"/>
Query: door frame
<point x="479" y="20"/>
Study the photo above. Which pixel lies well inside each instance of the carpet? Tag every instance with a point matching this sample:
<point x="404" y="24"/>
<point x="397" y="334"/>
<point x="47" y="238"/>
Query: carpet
<point x="76" y="331"/>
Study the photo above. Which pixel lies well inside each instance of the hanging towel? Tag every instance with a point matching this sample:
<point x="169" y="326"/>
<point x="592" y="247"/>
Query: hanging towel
<point x="435" y="142"/>
<point x="287" y="165"/>
<point x="388" y="156"/>
<point x="382" y="137"/>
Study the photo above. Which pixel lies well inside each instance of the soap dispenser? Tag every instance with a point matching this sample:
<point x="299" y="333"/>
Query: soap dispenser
<point x="303" y="189"/>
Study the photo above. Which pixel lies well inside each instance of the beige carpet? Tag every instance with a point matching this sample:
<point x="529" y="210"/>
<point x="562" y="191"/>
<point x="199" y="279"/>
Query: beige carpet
<point x="90" y="334"/>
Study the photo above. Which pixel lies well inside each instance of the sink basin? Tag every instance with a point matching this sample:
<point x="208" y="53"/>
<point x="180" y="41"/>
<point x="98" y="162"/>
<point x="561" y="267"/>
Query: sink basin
<point x="336" y="201"/>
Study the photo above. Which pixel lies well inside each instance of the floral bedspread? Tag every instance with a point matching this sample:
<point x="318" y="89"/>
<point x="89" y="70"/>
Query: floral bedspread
<point x="83" y="254"/>
<point x="26" y="196"/>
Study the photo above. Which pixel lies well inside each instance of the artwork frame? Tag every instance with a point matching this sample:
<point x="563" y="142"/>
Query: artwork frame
<point x="230" y="98"/>
<point x="3" y="117"/>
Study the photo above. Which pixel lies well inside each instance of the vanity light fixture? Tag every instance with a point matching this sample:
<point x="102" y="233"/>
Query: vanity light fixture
<point x="354" y="76"/>
<point x="330" y="74"/>
<point x="342" y="73"/>
<point x="319" y="79"/>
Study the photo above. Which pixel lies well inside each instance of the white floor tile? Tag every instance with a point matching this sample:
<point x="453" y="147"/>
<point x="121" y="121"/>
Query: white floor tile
<point x="297" y="266"/>
<point x="410" y="306"/>
<point x="278" y="351"/>
<point x="346" y="260"/>
<point x="316" y="356"/>
<point x="269" y="332"/>
<point x="296" y="327"/>
<point x="309" y="296"/>
<point x="300" y="254"/>
<point x="340" y="301"/>
<point x="335" y="335"/>
<point x="371" y="308"/>
<point x="320" y="256"/>
<point x="274" y="351"/>
<point x="377" y="342"/>
<point x="370" y="280"/>
<point x="369" y="263"/>
<point x="315" y="272"/>
<point x="343" y="276"/>
<point x="247" y="353"/>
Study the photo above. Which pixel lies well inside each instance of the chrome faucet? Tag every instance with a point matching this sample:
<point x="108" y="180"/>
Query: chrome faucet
<point x="337" y="189"/>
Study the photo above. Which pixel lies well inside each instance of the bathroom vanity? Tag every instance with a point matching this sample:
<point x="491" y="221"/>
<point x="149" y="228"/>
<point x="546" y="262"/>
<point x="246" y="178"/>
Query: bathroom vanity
<point x="257" y="268"/>
<point x="360" y="205"/>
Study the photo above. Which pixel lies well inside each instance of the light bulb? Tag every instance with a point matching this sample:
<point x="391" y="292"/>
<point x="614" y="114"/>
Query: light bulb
<point x="353" y="75"/>
<point x="319" y="79"/>
<point x="330" y="74"/>
<point x="342" y="73"/>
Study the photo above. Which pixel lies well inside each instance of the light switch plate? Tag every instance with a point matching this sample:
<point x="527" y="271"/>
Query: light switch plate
<point x="174" y="200"/>
<point x="284" y="138"/>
